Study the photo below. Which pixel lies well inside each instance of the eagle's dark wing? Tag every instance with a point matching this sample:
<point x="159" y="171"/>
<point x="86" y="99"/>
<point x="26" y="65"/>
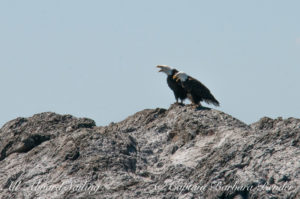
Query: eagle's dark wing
<point x="201" y="91"/>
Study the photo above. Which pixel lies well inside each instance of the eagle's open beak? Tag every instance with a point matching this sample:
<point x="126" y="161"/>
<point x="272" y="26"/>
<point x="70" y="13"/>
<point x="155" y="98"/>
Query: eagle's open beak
<point x="160" y="68"/>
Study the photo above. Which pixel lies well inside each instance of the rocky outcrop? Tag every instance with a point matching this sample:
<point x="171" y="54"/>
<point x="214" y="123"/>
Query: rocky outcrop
<point x="181" y="152"/>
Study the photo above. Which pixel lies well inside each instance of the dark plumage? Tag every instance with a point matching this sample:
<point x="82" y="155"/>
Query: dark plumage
<point x="196" y="91"/>
<point x="176" y="87"/>
<point x="178" y="90"/>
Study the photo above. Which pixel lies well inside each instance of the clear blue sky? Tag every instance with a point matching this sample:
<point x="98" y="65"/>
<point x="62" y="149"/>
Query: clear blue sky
<point x="97" y="59"/>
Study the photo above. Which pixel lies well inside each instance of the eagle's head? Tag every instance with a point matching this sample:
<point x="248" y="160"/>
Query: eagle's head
<point x="166" y="69"/>
<point x="182" y="76"/>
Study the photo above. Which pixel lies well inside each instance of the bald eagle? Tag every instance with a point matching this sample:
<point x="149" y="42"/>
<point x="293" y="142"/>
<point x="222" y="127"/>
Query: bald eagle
<point x="178" y="90"/>
<point x="196" y="91"/>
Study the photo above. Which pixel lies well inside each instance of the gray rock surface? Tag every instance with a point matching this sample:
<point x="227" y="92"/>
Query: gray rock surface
<point x="156" y="153"/>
